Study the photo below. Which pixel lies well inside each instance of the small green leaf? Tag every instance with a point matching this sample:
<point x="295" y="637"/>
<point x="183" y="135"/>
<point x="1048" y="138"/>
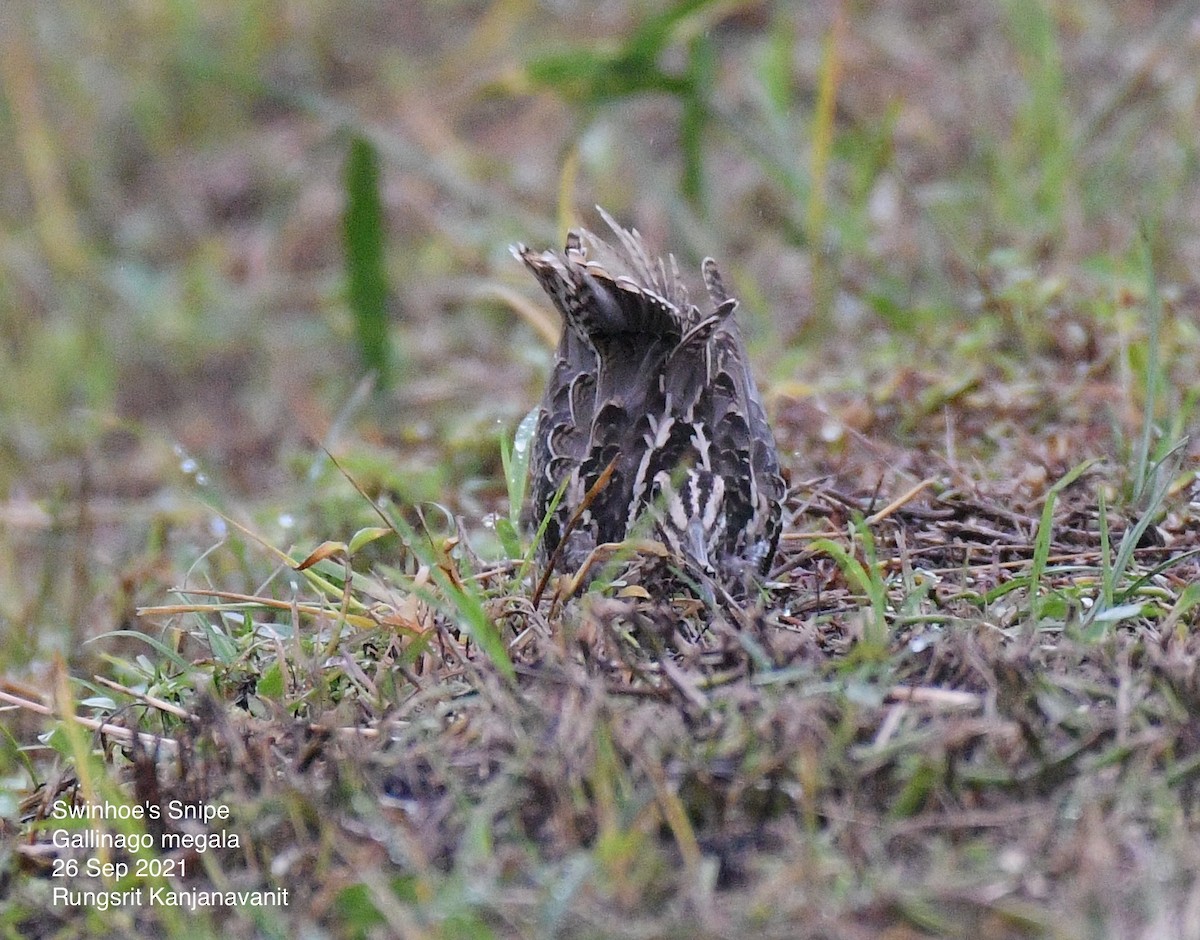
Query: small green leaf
<point x="270" y="683"/>
<point x="367" y="536"/>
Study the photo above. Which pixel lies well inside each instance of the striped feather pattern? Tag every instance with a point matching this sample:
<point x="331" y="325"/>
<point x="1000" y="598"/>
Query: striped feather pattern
<point x="660" y="387"/>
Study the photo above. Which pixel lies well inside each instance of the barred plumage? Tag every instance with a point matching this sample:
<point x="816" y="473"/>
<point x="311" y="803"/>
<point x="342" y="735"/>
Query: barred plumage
<point x="647" y="381"/>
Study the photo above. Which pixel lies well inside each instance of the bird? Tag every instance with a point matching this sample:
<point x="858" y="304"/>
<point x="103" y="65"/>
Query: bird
<point x="651" y="424"/>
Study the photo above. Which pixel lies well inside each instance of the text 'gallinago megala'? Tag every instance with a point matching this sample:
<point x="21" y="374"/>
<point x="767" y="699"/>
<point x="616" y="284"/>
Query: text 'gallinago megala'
<point x="659" y="390"/>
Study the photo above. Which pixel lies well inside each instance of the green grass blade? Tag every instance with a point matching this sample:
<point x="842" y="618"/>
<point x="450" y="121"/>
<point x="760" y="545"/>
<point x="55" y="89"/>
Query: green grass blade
<point x="515" y="460"/>
<point x="366" y="280"/>
<point x="1045" y="530"/>
<point x="1106" y="566"/>
<point x="1153" y="376"/>
<point x="702" y="65"/>
<point x="866" y="580"/>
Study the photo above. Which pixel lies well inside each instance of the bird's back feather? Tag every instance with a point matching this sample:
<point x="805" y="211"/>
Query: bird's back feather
<point x="651" y="384"/>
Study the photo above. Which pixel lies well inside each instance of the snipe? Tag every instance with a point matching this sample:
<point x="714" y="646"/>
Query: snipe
<point x="661" y="390"/>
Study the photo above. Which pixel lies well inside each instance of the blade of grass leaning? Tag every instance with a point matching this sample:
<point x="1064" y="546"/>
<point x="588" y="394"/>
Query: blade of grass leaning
<point x="1187" y="601"/>
<point x="1045" y="530"/>
<point x="867" y="581"/>
<point x="828" y="80"/>
<point x="531" y="551"/>
<point x="694" y="119"/>
<point x="154" y="643"/>
<point x="366" y="280"/>
<point x="1129" y="544"/>
<point x="1042" y="136"/>
<point x="1106" y="566"/>
<point x="340" y="619"/>
<point x="510" y="537"/>
<point x="1153" y="365"/>
<point x="588" y="498"/>
<point x="467" y="603"/>
<point x="878" y="587"/>
<point x="1132" y="536"/>
<point x="567" y="178"/>
<point x="1151" y="573"/>
<point x="822" y="133"/>
<point x="775" y="68"/>
<point x="514" y="458"/>
<point x="32" y="130"/>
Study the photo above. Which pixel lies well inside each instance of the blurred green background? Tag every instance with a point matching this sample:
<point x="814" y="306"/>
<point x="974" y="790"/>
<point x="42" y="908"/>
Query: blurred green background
<point x="909" y="198"/>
